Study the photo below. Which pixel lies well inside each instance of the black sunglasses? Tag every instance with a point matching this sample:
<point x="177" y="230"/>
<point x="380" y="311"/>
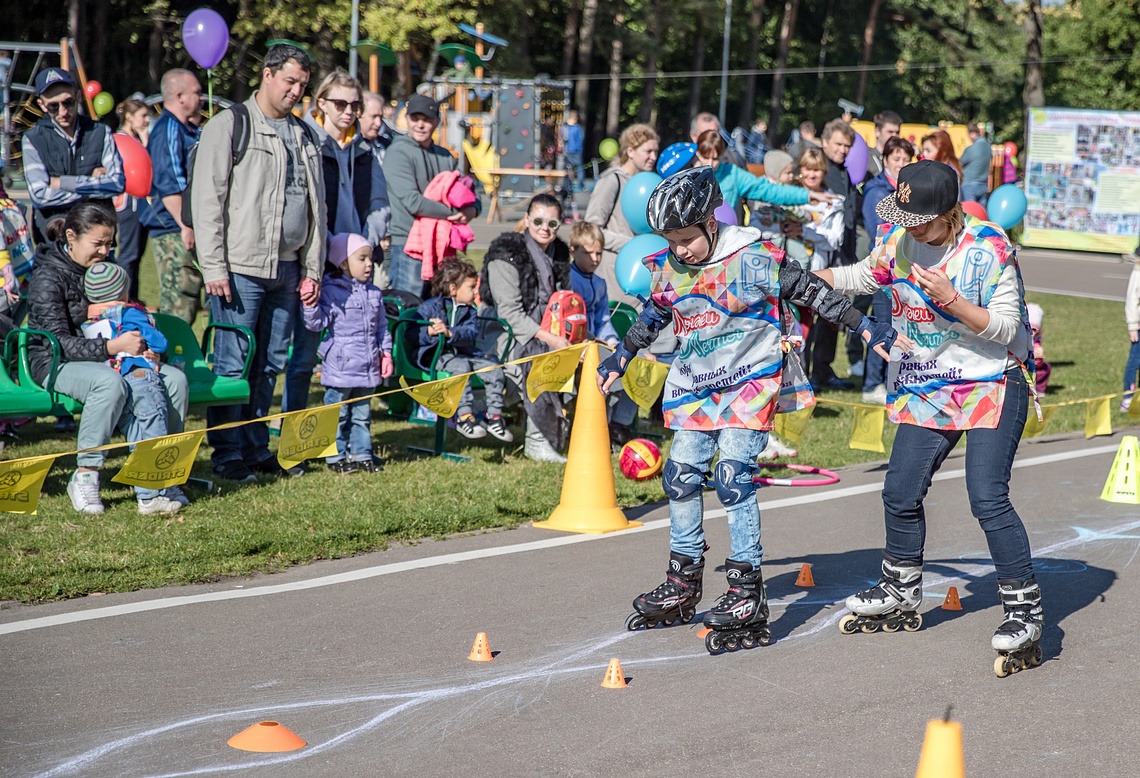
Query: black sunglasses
<point x="552" y="224"/>
<point x="53" y="108"/>
<point x="341" y="105"/>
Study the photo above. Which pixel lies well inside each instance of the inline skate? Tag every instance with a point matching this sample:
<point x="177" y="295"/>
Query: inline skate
<point x="740" y="617"/>
<point x="1017" y="640"/>
<point x="673" y="601"/>
<point x="890" y="604"/>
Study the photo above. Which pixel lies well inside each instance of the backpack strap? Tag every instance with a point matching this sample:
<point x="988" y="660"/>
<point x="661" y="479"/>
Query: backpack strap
<point x="243" y="128"/>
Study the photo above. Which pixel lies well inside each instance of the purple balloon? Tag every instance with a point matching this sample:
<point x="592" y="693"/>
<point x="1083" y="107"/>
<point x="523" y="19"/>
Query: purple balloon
<point x="725" y="214"/>
<point x="206" y="37"/>
<point x="856" y="162"/>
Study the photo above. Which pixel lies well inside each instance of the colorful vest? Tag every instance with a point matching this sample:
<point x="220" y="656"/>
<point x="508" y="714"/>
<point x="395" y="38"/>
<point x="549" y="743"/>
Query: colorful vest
<point x="726" y="316"/>
<point x="953" y="379"/>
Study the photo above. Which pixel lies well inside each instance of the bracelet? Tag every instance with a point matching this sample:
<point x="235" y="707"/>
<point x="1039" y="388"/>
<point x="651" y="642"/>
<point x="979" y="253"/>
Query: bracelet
<point x="957" y="294"/>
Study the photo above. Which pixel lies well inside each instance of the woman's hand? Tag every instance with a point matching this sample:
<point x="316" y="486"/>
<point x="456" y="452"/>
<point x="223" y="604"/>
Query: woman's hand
<point x="1134" y="336"/>
<point x="387" y="366"/>
<point x="554" y="342"/>
<point x="934" y="284"/>
<point x="128" y="343"/>
<point x="820" y="197"/>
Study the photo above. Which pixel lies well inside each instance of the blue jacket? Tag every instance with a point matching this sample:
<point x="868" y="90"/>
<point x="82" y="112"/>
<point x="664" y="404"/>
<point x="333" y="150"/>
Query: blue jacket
<point x="130" y="317"/>
<point x="873" y="192"/>
<point x="592" y="289"/>
<point x="354" y="314"/>
<point x="462" y="320"/>
<point x="169" y="145"/>
<point x="736" y="183"/>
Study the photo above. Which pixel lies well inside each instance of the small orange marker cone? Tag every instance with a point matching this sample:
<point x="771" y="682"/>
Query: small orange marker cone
<point x="703" y="631"/>
<point x="266" y="737"/>
<point x="615" y="678"/>
<point x="952" y="602"/>
<point x="481" y="651"/>
<point x="805" y="578"/>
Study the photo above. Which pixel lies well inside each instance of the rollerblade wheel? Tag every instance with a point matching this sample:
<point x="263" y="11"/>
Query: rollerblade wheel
<point x="869" y="627"/>
<point x="713" y="643"/>
<point x="748" y="641"/>
<point x="913" y="623"/>
<point x="1001" y="667"/>
<point x="635" y="622"/>
<point x="847" y="624"/>
<point x="686" y="617"/>
<point x="732" y="642"/>
<point x="1035" y="657"/>
<point x="891" y="626"/>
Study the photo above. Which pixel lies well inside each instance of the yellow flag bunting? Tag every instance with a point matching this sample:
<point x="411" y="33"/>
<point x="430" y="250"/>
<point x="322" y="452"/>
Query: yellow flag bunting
<point x="161" y="462"/>
<point x="792" y="426"/>
<point x="308" y="435"/>
<point x="441" y="396"/>
<point x="1034" y="428"/>
<point x="643" y="381"/>
<point x="867" y="434"/>
<point x="20" y="483"/>
<point x="1098" y="417"/>
<point x="550" y="372"/>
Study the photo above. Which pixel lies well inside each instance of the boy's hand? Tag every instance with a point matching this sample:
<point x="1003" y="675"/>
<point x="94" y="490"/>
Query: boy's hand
<point x="1133" y="336"/>
<point x="437" y="327"/>
<point x="880" y="335"/>
<point x="152" y="356"/>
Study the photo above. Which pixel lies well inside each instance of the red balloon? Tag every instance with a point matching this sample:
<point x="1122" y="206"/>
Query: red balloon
<point x="1010" y="149"/>
<point x="976" y="210"/>
<point x="92" y="88"/>
<point x="136" y="165"/>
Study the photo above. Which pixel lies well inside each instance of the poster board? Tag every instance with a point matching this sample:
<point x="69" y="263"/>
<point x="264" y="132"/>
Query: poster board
<point x="1082" y="180"/>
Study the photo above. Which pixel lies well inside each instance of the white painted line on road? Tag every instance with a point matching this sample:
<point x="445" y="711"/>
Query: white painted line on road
<point x="352" y="576"/>
<point x="1068" y="293"/>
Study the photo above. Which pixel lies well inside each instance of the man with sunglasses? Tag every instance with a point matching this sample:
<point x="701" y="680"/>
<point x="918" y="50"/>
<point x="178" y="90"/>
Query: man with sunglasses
<point x="67" y="157"/>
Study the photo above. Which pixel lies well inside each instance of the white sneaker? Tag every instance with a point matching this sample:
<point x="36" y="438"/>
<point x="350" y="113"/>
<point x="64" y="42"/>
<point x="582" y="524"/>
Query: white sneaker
<point x="1132" y="256"/>
<point x="542" y="452"/>
<point x="159" y="505"/>
<point x="175" y="494"/>
<point x="877" y="396"/>
<point x="83" y="489"/>
<point x="857" y="369"/>
<point x="779" y="447"/>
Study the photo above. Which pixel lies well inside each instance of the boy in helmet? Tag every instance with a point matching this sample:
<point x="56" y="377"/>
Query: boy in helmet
<point x="724" y="289"/>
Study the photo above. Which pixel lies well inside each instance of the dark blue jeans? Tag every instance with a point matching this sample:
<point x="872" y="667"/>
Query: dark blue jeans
<point x="1131" y="367"/>
<point x="875" y="370"/>
<point x="302" y="363"/>
<point x="917" y="455"/>
<point x="266" y="306"/>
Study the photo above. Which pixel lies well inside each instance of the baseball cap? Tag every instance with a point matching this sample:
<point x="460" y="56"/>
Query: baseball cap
<point x="48" y="78"/>
<point x="926" y="190"/>
<point x="424" y="105"/>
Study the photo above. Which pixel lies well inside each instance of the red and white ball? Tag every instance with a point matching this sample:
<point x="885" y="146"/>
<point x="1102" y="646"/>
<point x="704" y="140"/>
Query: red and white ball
<point x="640" y="460"/>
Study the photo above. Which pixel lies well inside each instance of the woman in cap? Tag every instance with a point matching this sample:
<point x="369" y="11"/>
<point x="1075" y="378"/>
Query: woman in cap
<point x="958" y="298"/>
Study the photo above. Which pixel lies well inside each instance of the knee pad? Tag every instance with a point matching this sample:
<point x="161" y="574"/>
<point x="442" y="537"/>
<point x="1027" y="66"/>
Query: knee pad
<point x="681" y="481"/>
<point x="733" y="480"/>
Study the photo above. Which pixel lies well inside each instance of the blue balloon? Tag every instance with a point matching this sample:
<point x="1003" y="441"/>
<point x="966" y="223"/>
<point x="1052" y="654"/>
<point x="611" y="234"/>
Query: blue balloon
<point x="635" y="198"/>
<point x="1006" y="206"/>
<point x="675" y="158"/>
<point x="632" y="274"/>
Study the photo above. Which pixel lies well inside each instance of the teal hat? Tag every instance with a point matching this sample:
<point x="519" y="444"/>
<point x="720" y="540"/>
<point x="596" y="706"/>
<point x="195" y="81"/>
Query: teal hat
<point x="104" y="282"/>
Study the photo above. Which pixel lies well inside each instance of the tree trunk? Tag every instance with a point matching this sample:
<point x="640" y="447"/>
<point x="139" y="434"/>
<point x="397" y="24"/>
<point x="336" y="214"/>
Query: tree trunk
<point x="240" y="89"/>
<point x="1034" y="94"/>
<point x="747" y="104"/>
<point x="698" y="67"/>
<point x="649" y="83"/>
<point x="613" y="110"/>
<point x="98" y="57"/>
<point x="787" y="27"/>
<point x="585" y="54"/>
<point x="155" y="50"/>
<point x="74" y="8"/>
<point x="433" y="60"/>
<point x="570" y="33"/>
<point x="404" y="74"/>
<point x="868" y="46"/>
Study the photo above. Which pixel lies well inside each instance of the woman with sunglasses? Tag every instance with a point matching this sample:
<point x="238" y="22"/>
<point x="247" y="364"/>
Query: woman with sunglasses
<point x="521" y="271"/>
<point x="356" y="197"/>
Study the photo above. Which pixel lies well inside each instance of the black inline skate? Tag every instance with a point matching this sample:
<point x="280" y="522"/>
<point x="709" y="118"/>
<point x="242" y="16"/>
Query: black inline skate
<point x="673" y="601"/>
<point x="1017" y="640"/>
<point x="740" y="617"/>
<point x="890" y="604"/>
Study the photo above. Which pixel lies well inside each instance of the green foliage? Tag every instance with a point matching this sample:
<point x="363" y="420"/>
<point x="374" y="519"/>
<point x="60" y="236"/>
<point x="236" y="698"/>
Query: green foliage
<point x="1102" y="33"/>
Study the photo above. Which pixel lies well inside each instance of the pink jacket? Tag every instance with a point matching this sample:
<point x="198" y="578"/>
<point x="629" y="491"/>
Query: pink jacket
<point x="433" y="240"/>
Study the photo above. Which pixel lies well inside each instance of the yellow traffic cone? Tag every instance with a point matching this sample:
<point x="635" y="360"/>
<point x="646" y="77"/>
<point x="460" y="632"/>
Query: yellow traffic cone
<point x="942" y="751"/>
<point x="589" y="498"/>
<point x="1121" y="484"/>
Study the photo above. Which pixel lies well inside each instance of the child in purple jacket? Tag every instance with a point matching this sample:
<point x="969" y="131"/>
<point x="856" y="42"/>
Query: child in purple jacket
<point x="357" y="354"/>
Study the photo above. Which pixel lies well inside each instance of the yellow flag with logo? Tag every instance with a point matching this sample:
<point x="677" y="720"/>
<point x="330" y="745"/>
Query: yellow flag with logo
<point x="1098" y="417"/>
<point x="308" y="435"/>
<point x="868" y="432"/>
<point x="792" y="426"/>
<point x="161" y="462"/>
<point x="20" y="483"/>
<point x="550" y="372"/>
<point x="440" y="396"/>
<point x="1033" y="428"/>
<point x="643" y="380"/>
<point x="1134" y="407"/>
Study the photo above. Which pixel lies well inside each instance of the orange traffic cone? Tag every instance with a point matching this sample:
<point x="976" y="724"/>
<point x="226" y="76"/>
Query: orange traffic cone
<point x="589" y="497"/>
<point x="266" y="736"/>
<point x="952" y="602"/>
<point x="942" y="751"/>
<point x="615" y="678"/>
<point x="805" y="578"/>
<point x="703" y="631"/>
<point x="481" y="651"/>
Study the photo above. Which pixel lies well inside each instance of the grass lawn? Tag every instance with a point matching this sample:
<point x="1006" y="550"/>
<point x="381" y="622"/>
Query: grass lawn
<point x="238" y="530"/>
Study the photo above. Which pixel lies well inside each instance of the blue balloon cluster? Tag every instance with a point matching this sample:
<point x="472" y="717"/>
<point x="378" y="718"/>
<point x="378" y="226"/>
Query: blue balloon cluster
<point x="635" y="199"/>
<point x="632" y="274"/>
<point x="1006" y="206"/>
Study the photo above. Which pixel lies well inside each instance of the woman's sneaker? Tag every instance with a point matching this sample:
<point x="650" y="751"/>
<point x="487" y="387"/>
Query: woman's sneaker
<point x="469" y="428"/>
<point x="498" y="429"/>
<point x="83" y="489"/>
<point x="158" y="505"/>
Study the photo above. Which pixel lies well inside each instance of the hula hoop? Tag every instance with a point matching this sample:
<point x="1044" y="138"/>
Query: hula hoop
<point x="828" y="478"/>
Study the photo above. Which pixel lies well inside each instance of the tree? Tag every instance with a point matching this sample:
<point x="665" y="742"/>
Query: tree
<point x="787" y="27"/>
<point x="868" y="47"/>
<point x="1034" y="93"/>
<point x="755" y="33"/>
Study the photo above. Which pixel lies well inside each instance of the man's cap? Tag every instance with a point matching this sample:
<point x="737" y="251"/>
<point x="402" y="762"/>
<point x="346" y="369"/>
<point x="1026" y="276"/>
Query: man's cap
<point x="50" y="77"/>
<point x="424" y="105"/>
<point x="105" y="281"/>
<point x="926" y="190"/>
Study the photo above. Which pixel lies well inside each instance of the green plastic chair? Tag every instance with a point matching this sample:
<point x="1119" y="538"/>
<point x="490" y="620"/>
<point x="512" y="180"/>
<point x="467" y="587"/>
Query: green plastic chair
<point x="622" y="317"/>
<point x="206" y="388"/>
<point x="61" y="404"/>
<point x="19" y="400"/>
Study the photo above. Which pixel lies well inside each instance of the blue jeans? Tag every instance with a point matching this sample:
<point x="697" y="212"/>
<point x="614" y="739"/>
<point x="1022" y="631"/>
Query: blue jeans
<point x="404" y="272"/>
<point x="302" y="363"/>
<point x="875" y="368"/>
<point x="917" y="455"/>
<point x="686" y="517"/>
<point x="353" y="431"/>
<point x="266" y="306"/>
<point x="1131" y="367"/>
<point x="494" y="382"/>
<point x="576" y="174"/>
<point x="978" y="192"/>
<point x="146" y="414"/>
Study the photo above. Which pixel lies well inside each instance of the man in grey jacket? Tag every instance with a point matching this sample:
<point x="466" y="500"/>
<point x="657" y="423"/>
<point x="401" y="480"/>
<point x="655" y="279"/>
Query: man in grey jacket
<point x="410" y="164"/>
<point x="260" y="228"/>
